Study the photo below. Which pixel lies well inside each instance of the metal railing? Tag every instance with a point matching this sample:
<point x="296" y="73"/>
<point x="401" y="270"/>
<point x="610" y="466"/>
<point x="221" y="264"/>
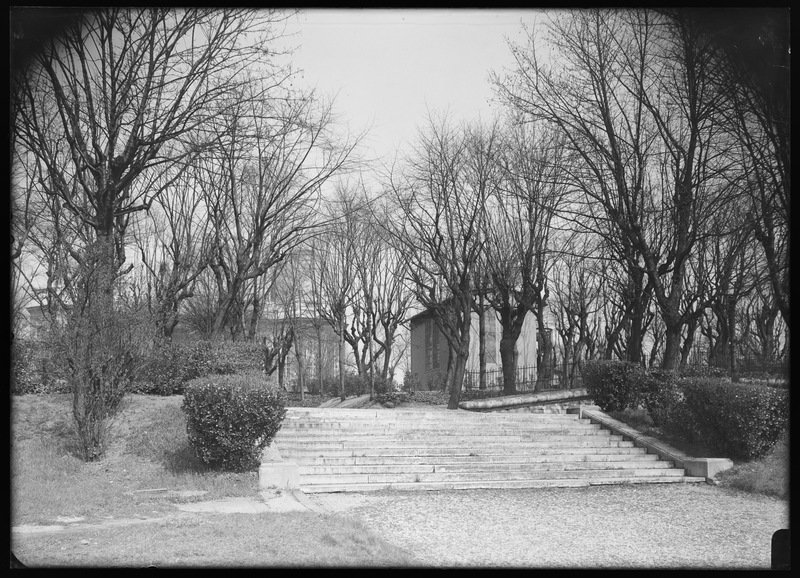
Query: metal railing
<point x="527" y="380"/>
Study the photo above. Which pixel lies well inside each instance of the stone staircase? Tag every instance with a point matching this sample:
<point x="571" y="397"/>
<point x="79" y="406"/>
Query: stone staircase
<point x="340" y="450"/>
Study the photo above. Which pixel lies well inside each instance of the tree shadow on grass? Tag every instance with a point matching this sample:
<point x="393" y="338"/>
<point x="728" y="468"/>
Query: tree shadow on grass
<point x="181" y="459"/>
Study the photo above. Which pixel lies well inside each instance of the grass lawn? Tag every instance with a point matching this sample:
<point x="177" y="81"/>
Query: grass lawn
<point x="226" y="540"/>
<point x="149" y="450"/>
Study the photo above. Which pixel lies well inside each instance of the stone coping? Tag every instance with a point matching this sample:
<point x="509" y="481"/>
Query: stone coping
<point x="524" y="399"/>
<point x="701" y="467"/>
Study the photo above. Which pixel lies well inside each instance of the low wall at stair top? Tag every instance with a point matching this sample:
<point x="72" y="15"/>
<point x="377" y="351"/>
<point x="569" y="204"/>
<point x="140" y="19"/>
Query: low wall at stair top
<point x="545" y="402"/>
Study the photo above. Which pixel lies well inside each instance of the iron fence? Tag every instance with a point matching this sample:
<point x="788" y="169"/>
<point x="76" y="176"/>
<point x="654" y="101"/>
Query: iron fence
<point x="527" y="380"/>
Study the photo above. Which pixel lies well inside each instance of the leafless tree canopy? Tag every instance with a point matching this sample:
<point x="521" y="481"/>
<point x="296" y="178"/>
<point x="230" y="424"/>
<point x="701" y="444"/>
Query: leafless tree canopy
<point x="630" y="198"/>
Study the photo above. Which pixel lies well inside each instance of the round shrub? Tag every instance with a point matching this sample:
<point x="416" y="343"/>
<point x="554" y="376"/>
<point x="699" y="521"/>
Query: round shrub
<point x="231" y="419"/>
<point x="614" y="385"/>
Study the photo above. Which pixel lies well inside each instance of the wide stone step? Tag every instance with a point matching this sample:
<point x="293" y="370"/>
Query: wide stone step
<point x="371" y="427"/>
<point x="339" y="450"/>
<point x="521" y="468"/>
<point x="479" y="443"/>
<point x="566" y="455"/>
<point x="496" y="454"/>
<point x="363" y="450"/>
<point x="399" y="416"/>
<point x="542" y="474"/>
<point x="328" y="416"/>
<point x="433" y="426"/>
<point x="438" y="438"/>
<point x="495" y="484"/>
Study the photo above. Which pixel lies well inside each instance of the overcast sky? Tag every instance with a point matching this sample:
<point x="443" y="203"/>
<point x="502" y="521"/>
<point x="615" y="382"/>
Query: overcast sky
<point x="387" y="67"/>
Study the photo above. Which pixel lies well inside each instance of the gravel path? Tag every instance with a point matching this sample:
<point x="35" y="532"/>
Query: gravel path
<point x="637" y="526"/>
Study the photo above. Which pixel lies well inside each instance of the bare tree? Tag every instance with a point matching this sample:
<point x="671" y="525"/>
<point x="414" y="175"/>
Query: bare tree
<point x="263" y="186"/>
<point x="174" y="249"/>
<point x="755" y="71"/>
<point x="767" y="335"/>
<point x="576" y="284"/>
<point x="337" y="281"/>
<point x="527" y="191"/>
<point x="392" y="299"/>
<point x="109" y="112"/>
<point x="638" y="107"/>
<point x="123" y="90"/>
<point x="440" y="200"/>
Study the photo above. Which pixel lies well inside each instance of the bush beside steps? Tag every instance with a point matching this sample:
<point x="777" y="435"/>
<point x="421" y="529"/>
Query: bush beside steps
<point x="230" y="419"/>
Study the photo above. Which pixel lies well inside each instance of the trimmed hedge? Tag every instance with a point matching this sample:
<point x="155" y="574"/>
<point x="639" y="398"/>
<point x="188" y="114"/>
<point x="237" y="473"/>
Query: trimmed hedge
<point x="236" y="357"/>
<point x="614" y="385"/>
<point x="738" y="421"/>
<point x="231" y="419"/>
<point x="660" y="394"/>
<point x="171" y="365"/>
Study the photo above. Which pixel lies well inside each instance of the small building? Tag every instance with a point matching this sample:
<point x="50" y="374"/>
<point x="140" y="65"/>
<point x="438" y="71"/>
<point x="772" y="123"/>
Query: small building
<point x="430" y="351"/>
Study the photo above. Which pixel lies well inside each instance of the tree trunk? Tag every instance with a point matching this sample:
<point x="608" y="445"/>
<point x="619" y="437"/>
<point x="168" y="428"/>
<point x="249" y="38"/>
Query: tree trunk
<point x="611" y="340"/>
<point x="636" y="336"/>
<point x="672" y="348"/>
<point x="459" y="369"/>
<point x="301" y="380"/>
<point x="448" y="377"/>
<point x="371" y="366"/>
<point x="566" y="366"/>
<point x="481" y="344"/>
<point x="686" y="348"/>
<point x="654" y="350"/>
<point x="768" y="341"/>
<point x="545" y="354"/>
<point x="253" y="325"/>
<point x="508" y="359"/>
<point x="319" y="359"/>
<point x="281" y="372"/>
<point x="575" y="366"/>
<point x="640" y="299"/>
<point x="387" y="356"/>
<point x="732" y="334"/>
<point x="719" y="352"/>
<point x="341" y="360"/>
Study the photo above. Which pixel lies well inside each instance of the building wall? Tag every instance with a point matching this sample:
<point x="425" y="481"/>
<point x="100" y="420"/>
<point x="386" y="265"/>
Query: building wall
<point x="430" y="376"/>
<point x="426" y="374"/>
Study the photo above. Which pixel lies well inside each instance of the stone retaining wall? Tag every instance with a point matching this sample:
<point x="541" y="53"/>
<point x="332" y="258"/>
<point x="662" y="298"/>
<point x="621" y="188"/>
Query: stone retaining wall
<point x="548" y="402"/>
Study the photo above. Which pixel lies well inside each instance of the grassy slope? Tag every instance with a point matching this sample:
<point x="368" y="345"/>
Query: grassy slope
<point x="149" y="450"/>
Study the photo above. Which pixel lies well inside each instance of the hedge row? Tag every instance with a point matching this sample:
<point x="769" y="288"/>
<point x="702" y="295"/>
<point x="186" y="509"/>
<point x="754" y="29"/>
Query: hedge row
<point x="614" y="385"/>
<point x="739" y="421"/>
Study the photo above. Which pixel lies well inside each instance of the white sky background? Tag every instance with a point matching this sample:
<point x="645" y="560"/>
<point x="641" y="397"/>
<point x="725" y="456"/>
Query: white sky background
<point x="387" y="68"/>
